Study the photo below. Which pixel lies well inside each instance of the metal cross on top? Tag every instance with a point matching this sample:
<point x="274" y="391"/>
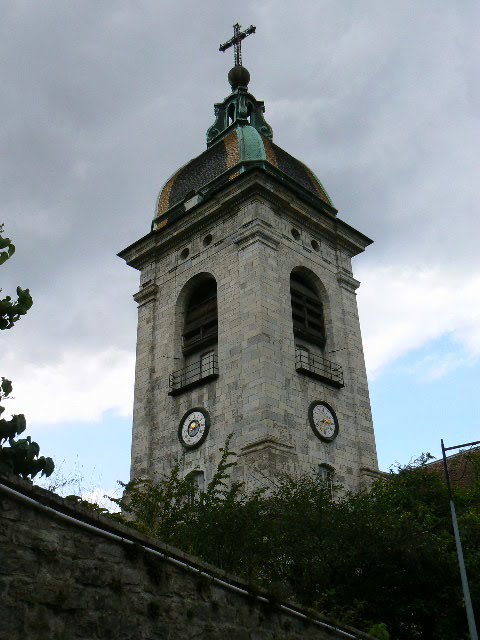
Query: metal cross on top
<point x="236" y="42"/>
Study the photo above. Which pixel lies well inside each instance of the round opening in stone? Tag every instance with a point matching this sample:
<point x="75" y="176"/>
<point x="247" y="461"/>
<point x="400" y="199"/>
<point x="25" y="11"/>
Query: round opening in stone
<point x="184" y="253"/>
<point x="295" y="233"/>
<point x="315" y="245"/>
<point x="207" y="240"/>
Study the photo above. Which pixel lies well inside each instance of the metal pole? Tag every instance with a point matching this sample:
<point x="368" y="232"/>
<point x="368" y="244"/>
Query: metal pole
<point x="463" y="573"/>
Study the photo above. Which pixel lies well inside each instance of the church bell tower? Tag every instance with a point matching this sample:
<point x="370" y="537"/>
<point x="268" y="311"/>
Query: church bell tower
<point x="247" y="314"/>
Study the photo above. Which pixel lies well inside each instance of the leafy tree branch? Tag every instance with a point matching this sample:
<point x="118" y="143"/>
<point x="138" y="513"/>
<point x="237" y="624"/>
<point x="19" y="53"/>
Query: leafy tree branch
<point x="12" y="310"/>
<point x="21" y="457"/>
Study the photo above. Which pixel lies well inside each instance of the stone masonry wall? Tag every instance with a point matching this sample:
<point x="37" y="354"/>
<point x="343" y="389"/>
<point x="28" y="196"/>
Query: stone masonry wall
<point x="62" y="581"/>
<point x="259" y="234"/>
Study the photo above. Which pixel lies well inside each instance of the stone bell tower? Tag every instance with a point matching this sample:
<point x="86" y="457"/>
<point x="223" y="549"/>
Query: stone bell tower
<point x="247" y="315"/>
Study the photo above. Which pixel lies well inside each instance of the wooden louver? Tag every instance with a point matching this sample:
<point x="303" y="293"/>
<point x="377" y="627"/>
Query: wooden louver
<point x="307" y="311"/>
<point x="201" y="319"/>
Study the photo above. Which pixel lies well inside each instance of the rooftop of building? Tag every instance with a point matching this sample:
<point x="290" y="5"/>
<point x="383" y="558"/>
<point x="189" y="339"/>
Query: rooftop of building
<point x="239" y="140"/>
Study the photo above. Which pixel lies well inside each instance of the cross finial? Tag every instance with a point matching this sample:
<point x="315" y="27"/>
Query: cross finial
<point x="236" y="42"/>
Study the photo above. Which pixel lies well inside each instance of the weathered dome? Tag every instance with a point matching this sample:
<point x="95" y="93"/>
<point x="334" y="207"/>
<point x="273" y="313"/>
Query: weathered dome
<point x="239" y="140"/>
<point x="242" y="148"/>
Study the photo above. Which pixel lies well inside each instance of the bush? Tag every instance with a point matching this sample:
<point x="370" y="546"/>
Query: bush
<point x="385" y="555"/>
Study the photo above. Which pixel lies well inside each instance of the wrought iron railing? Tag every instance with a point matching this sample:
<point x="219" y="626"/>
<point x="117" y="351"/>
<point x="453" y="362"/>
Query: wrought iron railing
<point x="199" y="372"/>
<point x="316" y="366"/>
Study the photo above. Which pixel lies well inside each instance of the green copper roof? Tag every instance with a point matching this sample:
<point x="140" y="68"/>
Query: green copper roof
<point x="239" y="140"/>
<point x="241" y="149"/>
<point x="239" y="108"/>
<point x="250" y="144"/>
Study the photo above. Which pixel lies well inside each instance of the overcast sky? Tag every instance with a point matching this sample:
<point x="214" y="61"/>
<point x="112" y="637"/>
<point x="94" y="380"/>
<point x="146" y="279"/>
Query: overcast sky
<point x="102" y="101"/>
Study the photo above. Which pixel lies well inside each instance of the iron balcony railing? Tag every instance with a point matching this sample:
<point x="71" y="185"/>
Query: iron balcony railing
<point x="316" y="366"/>
<point x="197" y="373"/>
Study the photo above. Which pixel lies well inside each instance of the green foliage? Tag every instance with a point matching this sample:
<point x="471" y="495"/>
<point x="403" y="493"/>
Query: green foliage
<point x="387" y="555"/>
<point x="21" y="457"/>
<point x="12" y="310"/>
<point x="379" y="631"/>
<point x="86" y="504"/>
<point x="7" y="249"/>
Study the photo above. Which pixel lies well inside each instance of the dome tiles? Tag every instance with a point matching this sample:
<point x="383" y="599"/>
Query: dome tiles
<point x="243" y="147"/>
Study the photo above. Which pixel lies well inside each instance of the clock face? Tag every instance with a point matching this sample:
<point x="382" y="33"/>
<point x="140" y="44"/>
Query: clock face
<point x="193" y="428"/>
<point x="323" y="421"/>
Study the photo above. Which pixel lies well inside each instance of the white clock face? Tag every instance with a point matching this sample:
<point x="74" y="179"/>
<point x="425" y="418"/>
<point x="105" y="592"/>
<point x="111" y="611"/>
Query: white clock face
<point x="193" y="428"/>
<point x="323" y="421"/>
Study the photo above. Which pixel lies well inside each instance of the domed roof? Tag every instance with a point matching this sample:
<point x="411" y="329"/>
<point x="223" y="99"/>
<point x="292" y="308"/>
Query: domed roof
<point x="242" y="145"/>
<point x="239" y="140"/>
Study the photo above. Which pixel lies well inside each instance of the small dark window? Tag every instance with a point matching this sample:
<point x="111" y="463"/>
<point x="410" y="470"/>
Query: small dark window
<point x="198" y="485"/>
<point x="295" y="233"/>
<point x="207" y="240"/>
<point x="231" y="114"/>
<point x="315" y="245"/>
<point x="326" y="473"/>
<point x="307" y="311"/>
<point x="184" y="253"/>
<point x="199" y="480"/>
<point x="201" y="322"/>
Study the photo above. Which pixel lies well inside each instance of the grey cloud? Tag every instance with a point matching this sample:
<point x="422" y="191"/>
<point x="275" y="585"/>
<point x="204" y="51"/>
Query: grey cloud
<point x="101" y="102"/>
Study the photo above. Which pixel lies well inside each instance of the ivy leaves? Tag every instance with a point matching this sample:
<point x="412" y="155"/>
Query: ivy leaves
<point x="20" y="457"/>
<point x="12" y="310"/>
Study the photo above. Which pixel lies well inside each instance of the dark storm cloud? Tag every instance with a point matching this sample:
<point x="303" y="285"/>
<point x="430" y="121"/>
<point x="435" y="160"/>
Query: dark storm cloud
<point x="101" y="102"/>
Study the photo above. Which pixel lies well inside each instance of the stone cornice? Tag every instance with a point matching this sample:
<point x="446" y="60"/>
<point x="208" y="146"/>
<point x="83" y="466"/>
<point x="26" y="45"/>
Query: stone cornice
<point x="347" y="282"/>
<point x="267" y="443"/>
<point x="226" y="202"/>
<point x="256" y="231"/>
<point x="147" y="293"/>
